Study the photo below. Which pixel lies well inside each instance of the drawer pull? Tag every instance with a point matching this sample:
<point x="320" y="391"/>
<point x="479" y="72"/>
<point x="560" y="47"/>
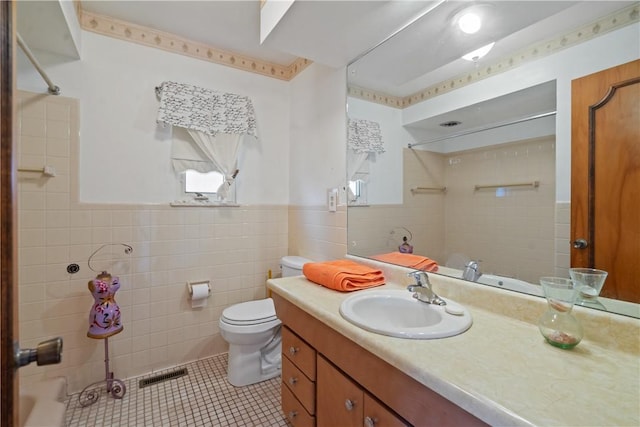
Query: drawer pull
<point x="370" y="422"/>
<point x="293" y="381"/>
<point x="293" y="350"/>
<point x="349" y="404"/>
<point x="292" y="415"/>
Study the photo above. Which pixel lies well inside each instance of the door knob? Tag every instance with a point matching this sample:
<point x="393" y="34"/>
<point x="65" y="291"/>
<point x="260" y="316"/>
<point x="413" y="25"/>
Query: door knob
<point x="48" y="352"/>
<point x="580" y="243"/>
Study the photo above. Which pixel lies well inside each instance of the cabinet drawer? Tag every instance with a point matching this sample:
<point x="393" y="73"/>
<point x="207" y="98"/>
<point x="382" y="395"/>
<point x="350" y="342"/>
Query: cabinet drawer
<point x="299" y="352"/>
<point x="301" y="386"/>
<point x="294" y="411"/>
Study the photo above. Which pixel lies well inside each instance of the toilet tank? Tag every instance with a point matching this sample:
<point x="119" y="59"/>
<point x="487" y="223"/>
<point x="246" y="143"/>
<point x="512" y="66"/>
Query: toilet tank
<point x="292" y="265"/>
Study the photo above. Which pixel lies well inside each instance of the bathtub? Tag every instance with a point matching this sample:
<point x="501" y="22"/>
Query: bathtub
<point x="511" y="284"/>
<point x="42" y="403"/>
<point x="503" y="282"/>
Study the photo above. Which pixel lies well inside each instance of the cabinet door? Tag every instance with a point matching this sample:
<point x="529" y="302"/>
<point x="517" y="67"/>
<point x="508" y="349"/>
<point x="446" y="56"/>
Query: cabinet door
<point x="339" y="400"/>
<point x="377" y="415"/>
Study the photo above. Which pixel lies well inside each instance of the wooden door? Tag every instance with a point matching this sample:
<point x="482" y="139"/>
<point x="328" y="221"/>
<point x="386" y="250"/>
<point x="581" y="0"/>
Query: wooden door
<point x="8" y="209"/>
<point x="339" y="401"/>
<point x="605" y="177"/>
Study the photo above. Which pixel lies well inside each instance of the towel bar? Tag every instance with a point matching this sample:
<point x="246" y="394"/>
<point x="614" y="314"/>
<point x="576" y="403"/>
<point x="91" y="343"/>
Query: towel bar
<point x="47" y="170"/>
<point x="533" y="184"/>
<point x="416" y="189"/>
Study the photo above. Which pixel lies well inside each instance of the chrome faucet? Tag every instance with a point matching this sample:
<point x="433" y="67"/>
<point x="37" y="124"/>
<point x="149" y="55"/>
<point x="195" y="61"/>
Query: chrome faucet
<point x="471" y="271"/>
<point x="422" y="290"/>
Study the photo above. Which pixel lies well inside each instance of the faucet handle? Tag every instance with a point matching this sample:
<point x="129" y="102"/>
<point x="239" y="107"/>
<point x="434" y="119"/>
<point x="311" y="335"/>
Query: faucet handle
<point x="472" y="271"/>
<point x="420" y="276"/>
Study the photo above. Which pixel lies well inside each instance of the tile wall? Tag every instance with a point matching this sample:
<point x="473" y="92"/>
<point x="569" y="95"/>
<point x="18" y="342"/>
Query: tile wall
<point x="233" y="248"/>
<point x="518" y="232"/>
<point x="379" y="229"/>
<point x="563" y="239"/>
<point x="511" y="229"/>
<point x="316" y="233"/>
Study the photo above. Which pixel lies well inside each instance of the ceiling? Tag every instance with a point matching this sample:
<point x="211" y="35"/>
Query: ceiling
<point x="540" y="99"/>
<point x="405" y="64"/>
<point x="229" y="25"/>
<point x="328" y="32"/>
<point x="334" y="33"/>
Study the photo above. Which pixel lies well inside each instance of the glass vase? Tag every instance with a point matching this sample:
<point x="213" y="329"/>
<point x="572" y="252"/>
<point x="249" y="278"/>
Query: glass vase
<point x="557" y="325"/>
<point x="590" y="282"/>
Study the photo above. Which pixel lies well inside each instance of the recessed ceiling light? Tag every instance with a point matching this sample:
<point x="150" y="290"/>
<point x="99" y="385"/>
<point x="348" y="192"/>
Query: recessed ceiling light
<point x="478" y="53"/>
<point x="469" y="23"/>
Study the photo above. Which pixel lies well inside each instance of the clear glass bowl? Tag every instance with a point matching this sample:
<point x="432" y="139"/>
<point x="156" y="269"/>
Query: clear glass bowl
<point x="557" y="325"/>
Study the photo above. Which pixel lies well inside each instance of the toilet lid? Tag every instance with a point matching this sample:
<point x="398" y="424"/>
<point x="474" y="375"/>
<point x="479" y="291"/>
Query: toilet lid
<point x="295" y="262"/>
<point x="250" y="312"/>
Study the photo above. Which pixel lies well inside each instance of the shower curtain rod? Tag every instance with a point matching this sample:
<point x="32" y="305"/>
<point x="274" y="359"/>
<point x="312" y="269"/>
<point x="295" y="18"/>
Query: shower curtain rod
<point x="469" y="132"/>
<point x="53" y="89"/>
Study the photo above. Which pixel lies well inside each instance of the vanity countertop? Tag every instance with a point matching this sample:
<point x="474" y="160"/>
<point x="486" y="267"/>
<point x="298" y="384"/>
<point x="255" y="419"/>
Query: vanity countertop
<point x="501" y="370"/>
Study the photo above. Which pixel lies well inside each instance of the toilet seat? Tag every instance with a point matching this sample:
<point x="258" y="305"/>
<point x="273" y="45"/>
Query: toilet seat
<point x="250" y="313"/>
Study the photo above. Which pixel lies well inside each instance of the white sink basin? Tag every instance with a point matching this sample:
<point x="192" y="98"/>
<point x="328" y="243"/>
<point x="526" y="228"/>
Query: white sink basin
<point x="396" y="313"/>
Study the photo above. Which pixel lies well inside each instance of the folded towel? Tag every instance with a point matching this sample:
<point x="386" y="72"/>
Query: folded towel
<point x="408" y="260"/>
<point x="343" y="275"/>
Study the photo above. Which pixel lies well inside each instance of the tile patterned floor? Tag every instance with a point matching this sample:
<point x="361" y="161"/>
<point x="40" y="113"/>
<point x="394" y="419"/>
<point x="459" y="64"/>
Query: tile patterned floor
<point x="201" y="398"/>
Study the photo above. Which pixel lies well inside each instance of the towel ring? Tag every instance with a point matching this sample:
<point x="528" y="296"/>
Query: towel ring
<point x="127" y="250"/>
<point x="404" y="238"/>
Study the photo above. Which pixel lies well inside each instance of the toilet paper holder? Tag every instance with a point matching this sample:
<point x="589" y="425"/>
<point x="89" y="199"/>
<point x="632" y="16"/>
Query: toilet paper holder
<point x="190" y="286"/>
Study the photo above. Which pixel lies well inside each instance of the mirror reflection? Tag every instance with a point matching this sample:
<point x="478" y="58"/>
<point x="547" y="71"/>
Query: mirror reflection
<point x="474" y="173"/>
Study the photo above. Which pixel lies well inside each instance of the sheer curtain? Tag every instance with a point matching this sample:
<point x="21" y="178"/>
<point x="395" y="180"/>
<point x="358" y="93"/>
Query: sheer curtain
<point x="355" y="161"/>
<point x="222" y="151"/>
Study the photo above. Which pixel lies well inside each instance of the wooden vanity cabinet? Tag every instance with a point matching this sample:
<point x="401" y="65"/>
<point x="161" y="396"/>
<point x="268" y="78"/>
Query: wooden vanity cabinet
<point x="341" y="366"/>
<point x="342" y="402"/>
<point x="298" y="386"/>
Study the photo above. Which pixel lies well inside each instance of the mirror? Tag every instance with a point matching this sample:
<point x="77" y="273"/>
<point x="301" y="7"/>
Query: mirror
<point x="477" y="154"/>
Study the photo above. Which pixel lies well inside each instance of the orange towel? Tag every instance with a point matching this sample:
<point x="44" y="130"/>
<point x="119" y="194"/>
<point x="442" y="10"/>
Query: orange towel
<point x="343" y="275"/>
<point x="408" y="260"/>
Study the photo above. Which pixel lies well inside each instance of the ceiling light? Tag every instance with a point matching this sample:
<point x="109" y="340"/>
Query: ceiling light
<point x="478" y="53"/>
<point x="469" y="23"/>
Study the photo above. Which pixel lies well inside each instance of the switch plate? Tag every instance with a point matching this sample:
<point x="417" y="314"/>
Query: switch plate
<point x="332" y="199"/>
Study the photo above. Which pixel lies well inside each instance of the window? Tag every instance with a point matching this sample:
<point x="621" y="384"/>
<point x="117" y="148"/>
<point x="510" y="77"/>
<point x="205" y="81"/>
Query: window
<point x="204" y="183"/>
<point x="201" y="188"/>
<point x="357" y="193"/>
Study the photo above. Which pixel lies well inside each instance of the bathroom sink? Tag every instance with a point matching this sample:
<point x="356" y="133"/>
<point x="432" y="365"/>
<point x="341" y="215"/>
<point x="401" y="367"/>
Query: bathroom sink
<point x="396" y="313"/>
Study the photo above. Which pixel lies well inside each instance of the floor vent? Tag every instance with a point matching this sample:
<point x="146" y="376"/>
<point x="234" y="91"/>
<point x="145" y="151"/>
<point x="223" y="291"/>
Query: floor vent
<point x="146" y="382"/>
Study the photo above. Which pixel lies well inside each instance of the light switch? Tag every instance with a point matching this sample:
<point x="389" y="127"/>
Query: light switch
<point x="332" y="199"/>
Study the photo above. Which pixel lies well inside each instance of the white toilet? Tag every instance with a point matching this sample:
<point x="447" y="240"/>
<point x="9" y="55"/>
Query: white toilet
<point x="253" y="332"/>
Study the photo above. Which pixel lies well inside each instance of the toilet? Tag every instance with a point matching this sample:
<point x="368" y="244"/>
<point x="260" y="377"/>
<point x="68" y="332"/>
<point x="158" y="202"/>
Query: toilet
<point x="253" y="332"/>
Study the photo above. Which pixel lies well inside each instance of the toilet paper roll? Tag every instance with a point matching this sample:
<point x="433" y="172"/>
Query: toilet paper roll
<point x="199" y="295"/>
